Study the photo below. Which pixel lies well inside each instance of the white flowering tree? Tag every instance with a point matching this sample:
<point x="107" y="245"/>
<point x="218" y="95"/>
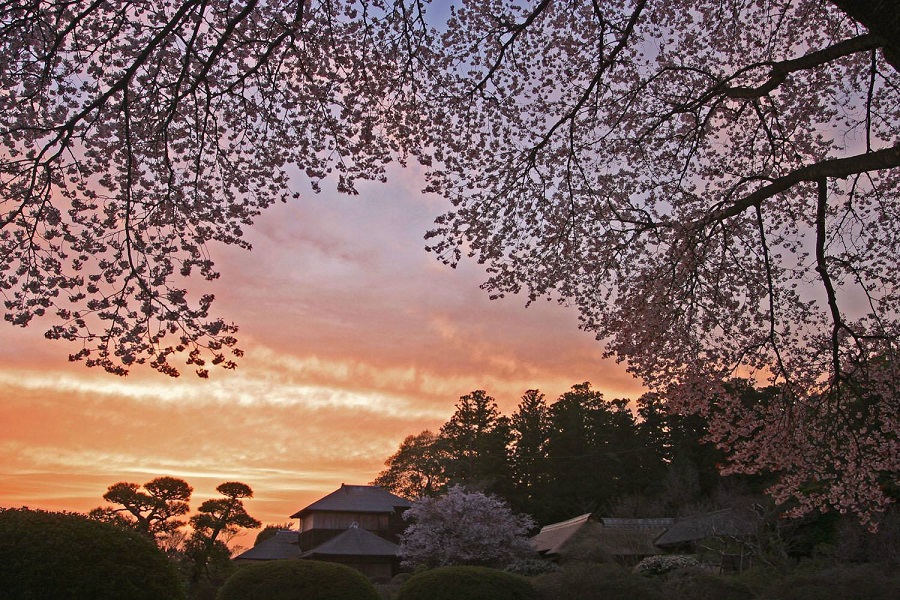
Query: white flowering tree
<point x="464" y="528"/>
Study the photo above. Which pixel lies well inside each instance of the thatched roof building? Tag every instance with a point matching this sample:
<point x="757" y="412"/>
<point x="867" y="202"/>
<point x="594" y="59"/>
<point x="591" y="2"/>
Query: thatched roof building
<point x="584" y="538"/>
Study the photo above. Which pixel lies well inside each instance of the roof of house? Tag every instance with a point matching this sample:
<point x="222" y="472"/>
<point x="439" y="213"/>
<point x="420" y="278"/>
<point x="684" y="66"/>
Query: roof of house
<point x="655" y="523"/>
<point x="631" y="537"/>
<point x="551" y="538"/>
<point x="280" y="546"/>
<point x="354" y="542"/>
<point x="730" y="522"/>
<point x="356" y="498"/>
<point x="619" y="537"/>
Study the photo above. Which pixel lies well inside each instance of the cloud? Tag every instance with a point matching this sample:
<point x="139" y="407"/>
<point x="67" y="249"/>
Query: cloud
<point x="355" y="338"/>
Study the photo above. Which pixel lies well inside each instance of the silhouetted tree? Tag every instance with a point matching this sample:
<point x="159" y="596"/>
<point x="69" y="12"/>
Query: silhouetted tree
<point x="530" y="432"/>
<point x="474" y="443"/>
<point x="416" y="469"/>
<point x="215" y="522"/>
<point x="153" y="510"/>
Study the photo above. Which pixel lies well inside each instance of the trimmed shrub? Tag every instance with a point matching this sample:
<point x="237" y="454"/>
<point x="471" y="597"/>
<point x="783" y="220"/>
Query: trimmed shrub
<point x="297" y="580"/>
<point x="531" y="566"/>
<point x="665" y="563"/>
<point x="839" y="583"/>
<point x="68" y="556"/>
<point x="590" y="581"/>
<point x="692" y="584"/>
<point x="466" y="583"/>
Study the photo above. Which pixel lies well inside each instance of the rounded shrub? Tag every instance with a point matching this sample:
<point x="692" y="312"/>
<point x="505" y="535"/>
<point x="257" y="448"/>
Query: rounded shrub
<point x="466" y="583"/>
<point x="692" y="584"/>
<point x="590" y="581"/>
<point x="68" y="556"/>
<point x="295" y="579"/>
<point x="666" y="563"/>
<point x="848" y="582"/>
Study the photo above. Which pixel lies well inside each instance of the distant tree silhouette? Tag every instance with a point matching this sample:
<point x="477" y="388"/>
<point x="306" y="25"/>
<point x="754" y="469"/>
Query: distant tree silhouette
<point x="153" y="508"/>
<point x="216" y="521"/>
<point x="416" y="469"/>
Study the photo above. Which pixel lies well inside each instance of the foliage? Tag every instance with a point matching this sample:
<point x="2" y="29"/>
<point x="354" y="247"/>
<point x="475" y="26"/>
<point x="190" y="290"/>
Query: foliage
<point x="715" y="190"/>
<point x="215" y="519"/>
<point x="691" y="584"/>
<point x="135" y="134"/>
<point x="530" y="429"/>
<point x="665" y="563"/>
<point x="154" y="511"/>
<point x="463" y="528"/>
<point x="416" y="469"/>
<point x="531" y="566"/>
<point x="466" y="583"/>
<point x="473" y="443"/>
<point x="67" y="555"/>
<point x="269" y="531"/>
<point x="588" y="581"/>
<point x="594" y="452"/>
<point x="297" y="580"/>
<point x="714" y="187"/>
<point x="582" y="453"/>
<point x="837" y="583"/>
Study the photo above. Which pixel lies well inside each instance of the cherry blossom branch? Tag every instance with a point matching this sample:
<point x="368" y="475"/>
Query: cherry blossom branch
<point x="886" y="158"/>
<point x="516" y="31"/>
<point x="781" y="70"/>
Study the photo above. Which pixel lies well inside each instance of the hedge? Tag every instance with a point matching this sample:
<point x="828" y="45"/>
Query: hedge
<point x="66" y="556"/>
<point x="466" y="583"/>
<point x="297" y="579"/>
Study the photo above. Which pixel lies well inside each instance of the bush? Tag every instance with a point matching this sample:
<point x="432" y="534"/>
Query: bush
<point x="297" y="580"/>
<point x="531" y="566"/>
<point x="589" y="581"/>
<point x="840" y="583"/>
<point x="692" y="584"/>
<point x="666" y="563"/>
<point x="67" y="556"/>
<point x="466" y="583"/>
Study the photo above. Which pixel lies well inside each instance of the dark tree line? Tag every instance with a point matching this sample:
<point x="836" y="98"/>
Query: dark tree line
<point x="555" y="460"/>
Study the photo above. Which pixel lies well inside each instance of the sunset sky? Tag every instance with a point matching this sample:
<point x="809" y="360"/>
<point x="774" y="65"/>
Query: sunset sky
<point x="355" y="337"/>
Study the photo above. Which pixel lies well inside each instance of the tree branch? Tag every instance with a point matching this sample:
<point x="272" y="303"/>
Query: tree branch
<point x="886" y="158"/>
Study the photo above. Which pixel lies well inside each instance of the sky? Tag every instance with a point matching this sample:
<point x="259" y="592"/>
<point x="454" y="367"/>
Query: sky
<point x="355" y="337"/>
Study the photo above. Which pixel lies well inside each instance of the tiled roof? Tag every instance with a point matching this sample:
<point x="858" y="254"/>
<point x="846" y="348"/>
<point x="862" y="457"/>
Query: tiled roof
<point x="280" y="546"/>
<point x="354" y="542"/>
<point x="729" y="522"/>
<point x="356" y="498"/>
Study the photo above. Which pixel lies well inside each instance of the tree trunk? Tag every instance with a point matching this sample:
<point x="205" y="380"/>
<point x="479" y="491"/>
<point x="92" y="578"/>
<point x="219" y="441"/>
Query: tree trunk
<point x="881" y="17"/>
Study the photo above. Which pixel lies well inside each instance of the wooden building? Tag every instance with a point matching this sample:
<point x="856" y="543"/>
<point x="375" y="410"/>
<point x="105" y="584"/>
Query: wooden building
<point x="356" y="525"/>
<point x="366" y="507"/>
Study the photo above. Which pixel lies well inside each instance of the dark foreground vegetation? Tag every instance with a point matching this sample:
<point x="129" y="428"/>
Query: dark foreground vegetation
<point x="592" y="581"/>
<point x="68" y="556"/>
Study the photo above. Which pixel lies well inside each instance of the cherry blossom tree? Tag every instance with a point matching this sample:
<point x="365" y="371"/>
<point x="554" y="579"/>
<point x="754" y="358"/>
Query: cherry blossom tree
<point x="463" y="528"/>
<point x="713" y="184"/>
<point x="136" y="133"/>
